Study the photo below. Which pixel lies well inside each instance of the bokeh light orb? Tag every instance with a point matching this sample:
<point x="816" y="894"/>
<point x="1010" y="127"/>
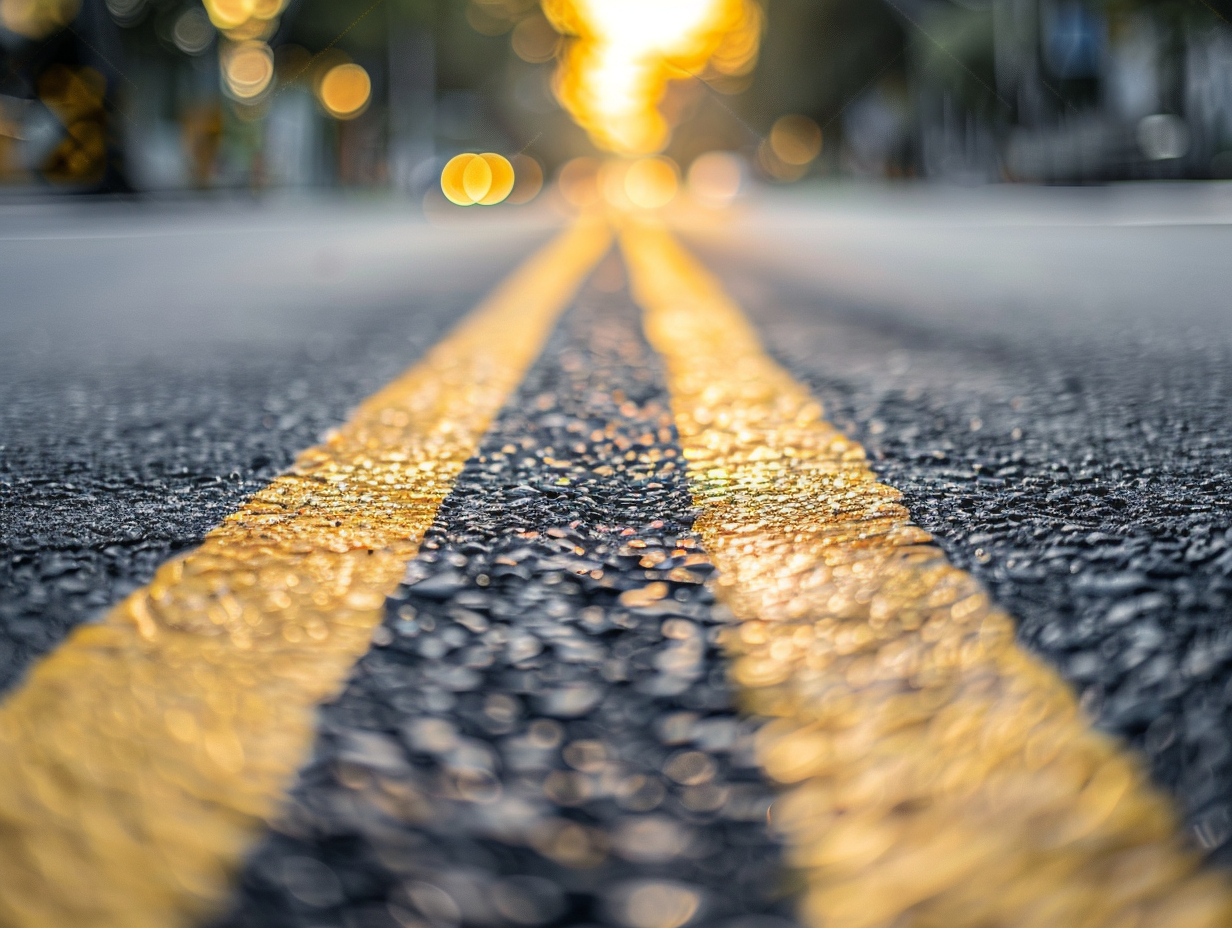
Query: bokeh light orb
<point x="228" y="14"/>
<point x="345" y="90"/>
<point x="795" y="140"/>
<point x="476" y="179"/>
<point x="500" y="179"/>
<point x="578" y="182"/>
<point x="452" y="180"/>
<point x="193" y="32"/>
<point x="716" y="177"/>
<point x="611" y="180"/>
<point x="247" y="70"/>
<point x="485" y="179"/>
<point x="652" y="183"/>
<point x="534" y="39"/>
<point x="36" y="19"/>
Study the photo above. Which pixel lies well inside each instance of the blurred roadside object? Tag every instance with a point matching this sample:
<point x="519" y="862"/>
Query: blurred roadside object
<point x="248" y="95"/>
<point x="202" y="134"/>
<point x="61" y="136"/>
<point x="978" y="91"/>
<point x="75" y="98"/>
<point x="1072" y="90"/>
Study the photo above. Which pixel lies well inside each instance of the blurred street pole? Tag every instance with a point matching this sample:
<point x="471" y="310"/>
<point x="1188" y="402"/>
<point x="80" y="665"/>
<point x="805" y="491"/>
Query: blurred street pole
<point x="412" y="97"/>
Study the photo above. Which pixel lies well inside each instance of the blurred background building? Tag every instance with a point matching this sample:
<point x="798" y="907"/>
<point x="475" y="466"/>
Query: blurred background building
<point x="239" y="95"/>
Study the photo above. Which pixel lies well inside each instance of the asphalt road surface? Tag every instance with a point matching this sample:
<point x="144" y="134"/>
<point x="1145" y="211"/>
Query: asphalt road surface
<point x="1043" y="374"/>
<point x="157" y="369"/>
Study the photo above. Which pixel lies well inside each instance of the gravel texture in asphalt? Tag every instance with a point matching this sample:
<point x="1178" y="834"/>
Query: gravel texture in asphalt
<point x="543" y="732"/>
<point x="1080" y="470"/>
<point x="112" y="460"/>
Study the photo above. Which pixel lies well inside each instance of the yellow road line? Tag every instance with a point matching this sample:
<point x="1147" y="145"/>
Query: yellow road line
<point x="139" y="760"/>
<point x="935" y="775"/>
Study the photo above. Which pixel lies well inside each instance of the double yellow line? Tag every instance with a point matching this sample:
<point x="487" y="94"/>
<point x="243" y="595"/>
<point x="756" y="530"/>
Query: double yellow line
<point x="934" y="774"/>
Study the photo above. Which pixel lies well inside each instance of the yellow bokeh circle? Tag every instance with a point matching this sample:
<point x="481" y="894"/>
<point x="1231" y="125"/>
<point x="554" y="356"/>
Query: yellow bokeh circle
<point x="476" y="178"/>
<point x="345" y="90"/>
<point x="247" y="70"/>
<point x="795" y="140"/>
<point x="501" y="184"/>
<point x="578" y="181"/>
<point x="267" y="9"/>
<point x="227" y="14"/>
<point x="652" y="183"/>
<point x="469" y="179"/>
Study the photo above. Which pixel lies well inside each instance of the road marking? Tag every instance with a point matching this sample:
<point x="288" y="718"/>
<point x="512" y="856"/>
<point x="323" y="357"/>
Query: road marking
<point x="934" y="774"/>
<point x="138" y="761"/>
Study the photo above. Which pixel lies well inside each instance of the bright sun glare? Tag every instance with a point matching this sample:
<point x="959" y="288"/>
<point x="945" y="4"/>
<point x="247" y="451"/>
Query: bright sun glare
<point x="615" y="72"/>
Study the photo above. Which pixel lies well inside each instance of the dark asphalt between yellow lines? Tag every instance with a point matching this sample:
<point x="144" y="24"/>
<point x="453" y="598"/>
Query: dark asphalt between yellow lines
<point x="934" y="774"/>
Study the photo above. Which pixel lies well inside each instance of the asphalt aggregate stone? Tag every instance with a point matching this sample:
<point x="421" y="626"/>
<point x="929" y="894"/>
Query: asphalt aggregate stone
<point x="543" y="733"/>
<point x="1082" y="473"/>
<point x="108" y="470"/>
